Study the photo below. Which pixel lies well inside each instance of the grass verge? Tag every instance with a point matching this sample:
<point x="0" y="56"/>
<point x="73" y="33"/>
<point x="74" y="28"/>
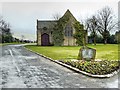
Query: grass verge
<point x="103" y="52"/>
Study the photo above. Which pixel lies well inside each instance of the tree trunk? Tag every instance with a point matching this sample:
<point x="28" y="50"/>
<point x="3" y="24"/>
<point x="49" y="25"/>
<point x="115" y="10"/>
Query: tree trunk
<point x="105" y="40"/>
<point x="95" y="40"/>
<point x="84" y="44"/>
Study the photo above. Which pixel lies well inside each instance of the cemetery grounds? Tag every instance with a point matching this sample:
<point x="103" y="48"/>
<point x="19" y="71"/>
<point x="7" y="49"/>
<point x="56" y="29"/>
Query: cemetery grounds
<point x="106" y="60"/>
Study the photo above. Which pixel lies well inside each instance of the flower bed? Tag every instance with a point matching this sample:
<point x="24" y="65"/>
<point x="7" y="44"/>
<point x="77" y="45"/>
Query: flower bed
<point x="94" y="67"/>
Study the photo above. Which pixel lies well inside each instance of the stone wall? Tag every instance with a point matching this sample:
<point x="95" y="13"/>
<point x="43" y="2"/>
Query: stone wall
<point x="38" y="37"/>
<point x="69" y="41"/>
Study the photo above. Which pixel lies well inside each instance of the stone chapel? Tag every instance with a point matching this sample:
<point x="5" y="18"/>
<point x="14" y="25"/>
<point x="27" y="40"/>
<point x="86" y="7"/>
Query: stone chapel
<point x="45" y="30"/>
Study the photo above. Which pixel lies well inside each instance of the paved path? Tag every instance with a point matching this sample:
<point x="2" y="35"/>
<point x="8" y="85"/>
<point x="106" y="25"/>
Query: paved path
<point x="20" y="68"/>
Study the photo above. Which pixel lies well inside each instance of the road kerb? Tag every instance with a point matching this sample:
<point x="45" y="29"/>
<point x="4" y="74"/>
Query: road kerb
<point x="75" y="69"/>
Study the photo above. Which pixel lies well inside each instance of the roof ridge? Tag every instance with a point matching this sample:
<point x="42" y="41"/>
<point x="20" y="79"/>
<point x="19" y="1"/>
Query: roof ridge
<point x="69" y="13"/>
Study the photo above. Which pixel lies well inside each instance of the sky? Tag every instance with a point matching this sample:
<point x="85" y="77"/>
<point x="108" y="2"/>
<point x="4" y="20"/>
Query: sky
<point x="22" y="15"/>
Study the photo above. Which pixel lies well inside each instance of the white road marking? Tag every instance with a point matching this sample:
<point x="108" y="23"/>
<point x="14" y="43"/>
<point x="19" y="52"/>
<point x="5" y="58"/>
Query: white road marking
<point x="35" y="78"/>
<point x="14" y="60"/>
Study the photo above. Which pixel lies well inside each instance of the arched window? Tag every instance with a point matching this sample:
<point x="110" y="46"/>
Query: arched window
<point x="71" y="32"/>
<point x="68" y="31"/>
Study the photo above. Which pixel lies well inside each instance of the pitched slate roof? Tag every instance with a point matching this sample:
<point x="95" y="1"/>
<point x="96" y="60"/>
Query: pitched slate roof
<point x="51" y="23"/>
<point x="69" y="14"/>
<point x="46" y="23"/>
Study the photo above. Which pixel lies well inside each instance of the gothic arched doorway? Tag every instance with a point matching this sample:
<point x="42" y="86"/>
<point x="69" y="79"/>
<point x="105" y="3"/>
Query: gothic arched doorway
<point x="45" y="40"/>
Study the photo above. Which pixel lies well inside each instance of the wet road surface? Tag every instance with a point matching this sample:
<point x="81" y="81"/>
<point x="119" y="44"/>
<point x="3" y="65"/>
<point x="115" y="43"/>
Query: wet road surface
<point x="20" y="68"/>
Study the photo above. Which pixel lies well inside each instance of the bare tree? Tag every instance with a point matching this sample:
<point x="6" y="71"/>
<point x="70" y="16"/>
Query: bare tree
<point x="0" y="29"/>
<point x="2" y="23"/>
<point x="91" y="25"/>
<point x="5" y="31"/>
<point x="56" y="16"/>
<point x="105" y="22"/>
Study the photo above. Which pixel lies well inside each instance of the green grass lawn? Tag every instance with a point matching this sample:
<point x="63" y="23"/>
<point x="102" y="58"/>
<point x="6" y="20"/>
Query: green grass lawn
<point x="104" y="52"/>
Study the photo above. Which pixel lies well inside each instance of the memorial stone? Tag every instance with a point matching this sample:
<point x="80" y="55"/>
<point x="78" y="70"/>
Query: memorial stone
<point x="86" y="53"/>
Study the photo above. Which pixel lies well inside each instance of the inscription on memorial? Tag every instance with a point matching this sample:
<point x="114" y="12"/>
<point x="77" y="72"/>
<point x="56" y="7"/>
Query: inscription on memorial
<point x="86" y="53"/>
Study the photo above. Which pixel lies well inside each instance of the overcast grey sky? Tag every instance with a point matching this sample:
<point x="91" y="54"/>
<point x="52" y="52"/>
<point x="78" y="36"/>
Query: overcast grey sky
<point x="22" y="15"/>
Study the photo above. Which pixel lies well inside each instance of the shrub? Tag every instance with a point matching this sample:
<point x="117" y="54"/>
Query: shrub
<point x="95" y="67"/>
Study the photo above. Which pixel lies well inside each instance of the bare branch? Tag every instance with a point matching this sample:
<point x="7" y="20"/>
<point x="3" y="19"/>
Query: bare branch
<point x="56" y="16"/>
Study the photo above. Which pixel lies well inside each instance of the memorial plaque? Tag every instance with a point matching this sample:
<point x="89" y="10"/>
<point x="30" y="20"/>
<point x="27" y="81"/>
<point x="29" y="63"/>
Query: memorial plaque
<point x="86" y="53"/>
